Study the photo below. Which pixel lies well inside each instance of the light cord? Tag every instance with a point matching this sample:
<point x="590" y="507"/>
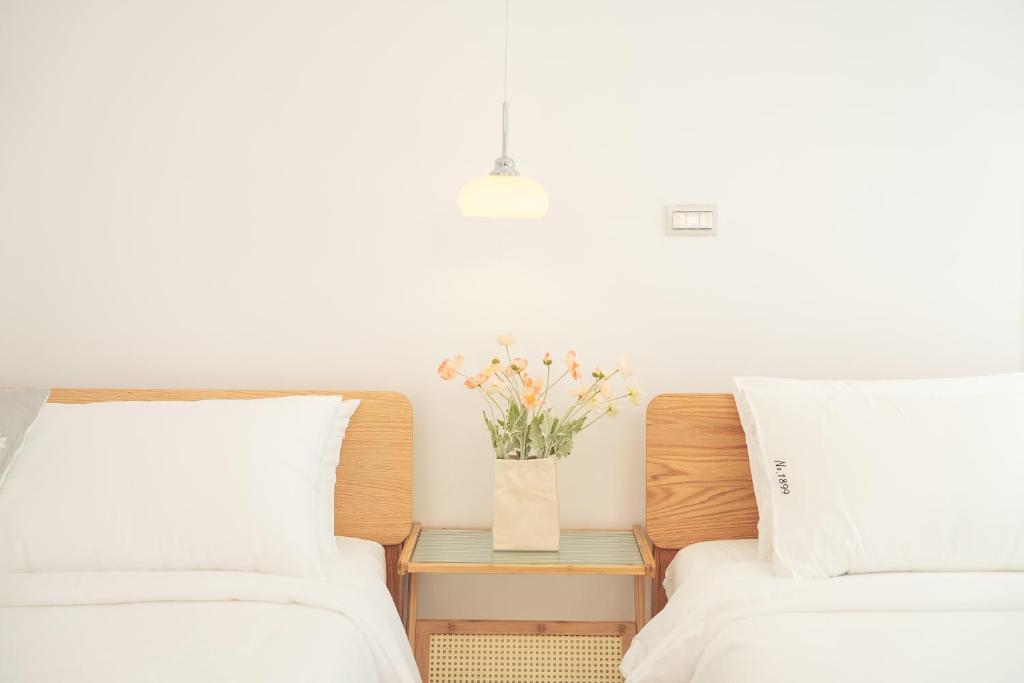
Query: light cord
<point x="507" y="6"/>
<point x="504" y="102"/>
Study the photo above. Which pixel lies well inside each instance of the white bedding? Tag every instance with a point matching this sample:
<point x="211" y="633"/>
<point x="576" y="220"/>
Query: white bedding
<point x="204" y="626"/>
<point x="732" y="620"/>
<point x="362" y="556"/>
<point x="698" y="557"/>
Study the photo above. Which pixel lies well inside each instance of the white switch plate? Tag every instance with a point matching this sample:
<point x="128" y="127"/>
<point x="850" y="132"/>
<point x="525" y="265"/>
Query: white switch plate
<point x="691" y="219"/>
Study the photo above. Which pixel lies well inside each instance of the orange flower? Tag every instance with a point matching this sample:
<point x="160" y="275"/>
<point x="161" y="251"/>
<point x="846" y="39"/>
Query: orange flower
<point x="531" y="392"/>
<point x="573" y="366"/>
<point x="449" y="367"/>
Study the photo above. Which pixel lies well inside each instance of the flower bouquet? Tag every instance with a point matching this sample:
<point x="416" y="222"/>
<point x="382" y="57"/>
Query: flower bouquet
<point x="528" y="434"/>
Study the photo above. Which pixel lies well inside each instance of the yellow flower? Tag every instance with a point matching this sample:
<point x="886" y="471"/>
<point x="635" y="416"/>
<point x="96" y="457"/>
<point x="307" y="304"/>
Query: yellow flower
<point x="636" y="395"/>
<point x="449" y="367"/>
<point x="612" y="409"/>
<point x="506" y="339"/>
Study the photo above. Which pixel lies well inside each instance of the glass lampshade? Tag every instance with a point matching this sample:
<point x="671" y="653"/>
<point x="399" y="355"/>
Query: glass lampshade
<point x="503" y="196"/>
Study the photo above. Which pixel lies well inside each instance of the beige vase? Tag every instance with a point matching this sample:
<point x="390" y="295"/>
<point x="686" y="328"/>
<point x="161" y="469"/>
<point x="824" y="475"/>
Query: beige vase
<point x="525" y="505"/>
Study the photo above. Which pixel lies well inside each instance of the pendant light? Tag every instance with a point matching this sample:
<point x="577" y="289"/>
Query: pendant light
<point x="504" y="193"/>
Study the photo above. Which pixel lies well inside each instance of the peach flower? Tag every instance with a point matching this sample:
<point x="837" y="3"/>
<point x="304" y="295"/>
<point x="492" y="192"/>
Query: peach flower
<point x="475" y="381"/>
<point x="534" y="383"/>
<point x="450" y="367"/>
<point x="547" y="359"/>
<point x="519" y="364"/>
<point x="573" y="366"/>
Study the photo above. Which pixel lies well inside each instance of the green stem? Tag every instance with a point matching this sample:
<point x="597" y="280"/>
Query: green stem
<point x="594" y="420"/>
<point x="491" y="401"/>
<point x="584" y="401"/>
<point x="547" y="387"/>
<point x="515" y="374"/>
<point x="513" y="391"/>
<point x="560" y="377"/>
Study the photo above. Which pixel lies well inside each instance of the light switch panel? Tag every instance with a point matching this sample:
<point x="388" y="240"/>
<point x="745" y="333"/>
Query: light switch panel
<point x="691" y="219"/>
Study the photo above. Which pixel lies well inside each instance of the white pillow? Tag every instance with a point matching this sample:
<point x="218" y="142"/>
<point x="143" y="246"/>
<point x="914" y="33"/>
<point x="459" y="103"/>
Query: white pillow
<point x="697" y="558"/>
<point x="191" y="485"/>
<point x="888" y="476"/>
<point x="759" y="478"/>
<point x="329" y="475"/>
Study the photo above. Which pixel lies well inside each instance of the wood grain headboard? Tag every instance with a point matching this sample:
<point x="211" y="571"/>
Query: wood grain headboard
<point x="698" y="477"/>
<point x="373" y="498"/>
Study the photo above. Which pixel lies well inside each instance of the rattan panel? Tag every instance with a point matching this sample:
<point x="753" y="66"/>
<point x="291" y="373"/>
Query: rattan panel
<point x="490" y="658"/>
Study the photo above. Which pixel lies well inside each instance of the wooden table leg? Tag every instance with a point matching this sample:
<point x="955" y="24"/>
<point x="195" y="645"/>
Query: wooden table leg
<point x="414" y="594"/>
<point x="639" y="601"/>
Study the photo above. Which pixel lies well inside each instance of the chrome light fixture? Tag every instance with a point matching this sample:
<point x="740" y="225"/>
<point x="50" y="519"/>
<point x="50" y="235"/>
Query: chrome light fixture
<point x="504" y="193"/>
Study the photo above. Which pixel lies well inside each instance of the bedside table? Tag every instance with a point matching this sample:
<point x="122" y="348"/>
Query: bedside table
<point x="450" y="651"/>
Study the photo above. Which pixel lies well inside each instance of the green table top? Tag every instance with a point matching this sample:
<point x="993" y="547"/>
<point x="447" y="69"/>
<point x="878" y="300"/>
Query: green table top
<point x="614" y="550"/>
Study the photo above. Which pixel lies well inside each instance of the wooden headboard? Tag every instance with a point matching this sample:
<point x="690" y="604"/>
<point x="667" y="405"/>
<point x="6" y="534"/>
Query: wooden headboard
<point x="373" y="498"/>
<point x="698" y="477"/>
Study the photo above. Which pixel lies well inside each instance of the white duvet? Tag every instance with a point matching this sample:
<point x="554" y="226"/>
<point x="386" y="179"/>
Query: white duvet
<point x="200" y="627"/>
<point x="733" y="620"/>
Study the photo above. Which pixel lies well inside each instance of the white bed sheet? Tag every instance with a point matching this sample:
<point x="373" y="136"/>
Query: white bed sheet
<point x="158" y="627"/>
<point x="733" y="620"/>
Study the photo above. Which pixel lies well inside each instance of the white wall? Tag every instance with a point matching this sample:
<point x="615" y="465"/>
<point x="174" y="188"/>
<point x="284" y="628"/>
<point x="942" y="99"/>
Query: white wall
<point x="262" y="194"/>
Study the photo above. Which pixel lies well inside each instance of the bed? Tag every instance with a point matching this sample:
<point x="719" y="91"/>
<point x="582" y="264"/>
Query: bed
<point x="722" y="613"/>
<point x="341" y="623"/>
